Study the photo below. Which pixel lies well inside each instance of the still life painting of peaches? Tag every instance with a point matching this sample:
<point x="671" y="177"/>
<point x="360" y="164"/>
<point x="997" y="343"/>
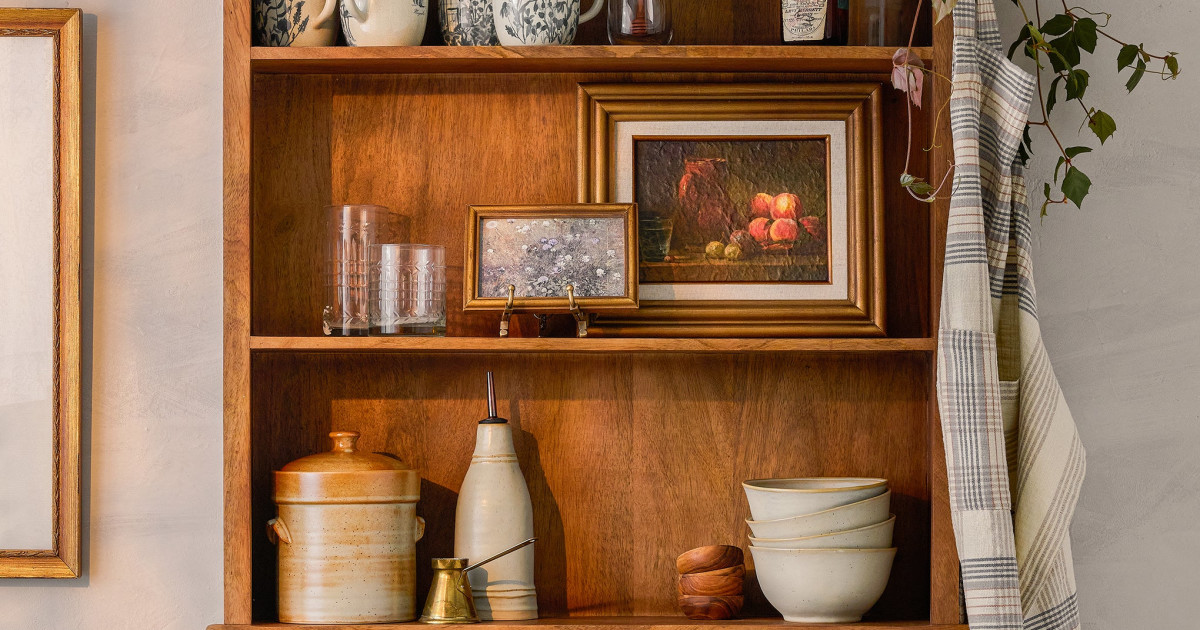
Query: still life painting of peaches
<point x="720" y="210"/>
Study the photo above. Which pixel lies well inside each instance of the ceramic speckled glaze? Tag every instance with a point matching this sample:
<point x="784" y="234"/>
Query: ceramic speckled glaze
<point x="494" y="513"/>
<point x="346" y="532"/>
<point x="822" y="585"/>
<point x="540" y="22"/>
<point x="384" y="22"/>
<point x="782" y="498"/>
<point x="295" y="22"/>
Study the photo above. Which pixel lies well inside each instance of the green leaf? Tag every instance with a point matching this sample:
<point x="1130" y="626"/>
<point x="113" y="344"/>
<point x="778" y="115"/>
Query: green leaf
<point x="1067" y="47"/>
<point x="1046" y="201"/>
<point x="1102" y="125"/>
<point x="1172" y="65"/>
<point x="1052" y="97"/>
<point x="1125" y="58"/>
<point x="907" y="180"/>
<point x="1077" y="83"/>
<point x="1058" y="25"/>
<point x="1137" y="75"/>
<point x="1075" y="186"/>
<point x="1021" y="38"/>
<point x="1070" y="152"/>
<point x="922" y="188"/>
<point x="1046" y="191"/>
<point x="1085" y="34"/>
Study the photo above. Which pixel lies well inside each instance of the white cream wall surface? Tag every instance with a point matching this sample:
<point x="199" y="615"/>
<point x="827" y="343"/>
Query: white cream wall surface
<point x="1119" y="294"/>
<point x="152" y="439"/>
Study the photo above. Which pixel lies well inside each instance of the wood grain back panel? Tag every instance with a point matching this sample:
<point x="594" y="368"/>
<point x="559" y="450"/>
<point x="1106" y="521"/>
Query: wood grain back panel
<point x="630" y="460"/>
<point x="428" y="146"/>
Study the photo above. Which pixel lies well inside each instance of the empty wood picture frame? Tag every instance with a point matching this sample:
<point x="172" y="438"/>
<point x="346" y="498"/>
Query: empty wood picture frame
<point x="759" y="205"/>
<point x="40" y="282"/>
<point x="541" y="249"/>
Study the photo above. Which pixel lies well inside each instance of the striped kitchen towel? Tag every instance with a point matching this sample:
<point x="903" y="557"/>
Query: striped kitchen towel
<point x="1014" y="460"/>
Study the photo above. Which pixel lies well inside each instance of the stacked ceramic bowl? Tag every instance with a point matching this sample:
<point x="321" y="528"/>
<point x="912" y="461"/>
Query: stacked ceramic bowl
<point x="822" y="546"/>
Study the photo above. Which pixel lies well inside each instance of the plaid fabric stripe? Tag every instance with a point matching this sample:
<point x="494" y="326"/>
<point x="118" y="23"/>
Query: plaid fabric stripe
<point x="1010" y="439"/>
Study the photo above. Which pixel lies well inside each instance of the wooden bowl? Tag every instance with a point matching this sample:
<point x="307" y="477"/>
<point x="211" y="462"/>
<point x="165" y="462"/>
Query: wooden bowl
<point x="707" y="584"/>
<point x="737" y="571"/>
<point x="710" y="608"/>
<point x="709" y="558"/>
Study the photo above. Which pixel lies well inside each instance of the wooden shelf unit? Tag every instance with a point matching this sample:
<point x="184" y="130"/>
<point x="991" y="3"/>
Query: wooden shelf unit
<point x="633" y="448"/>
<point x="585" y="345"/>
<point x="625" y="623"/>
<point x="447" y="59"/>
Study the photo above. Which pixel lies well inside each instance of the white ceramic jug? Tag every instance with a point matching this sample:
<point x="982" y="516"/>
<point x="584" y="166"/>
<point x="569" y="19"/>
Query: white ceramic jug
<point x="384" y="22"/>
<point x="494" y="512"/>
<point x="540" y="22"/>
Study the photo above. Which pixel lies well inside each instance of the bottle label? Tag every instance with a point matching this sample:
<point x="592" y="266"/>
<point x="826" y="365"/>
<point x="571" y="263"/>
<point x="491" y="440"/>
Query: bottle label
<point x="804" y="20"/>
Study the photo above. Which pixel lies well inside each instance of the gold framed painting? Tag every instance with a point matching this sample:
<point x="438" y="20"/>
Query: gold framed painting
<point x="540" y="251"/>
<point x="759" y="205"/>
<point x="40" y="281"/>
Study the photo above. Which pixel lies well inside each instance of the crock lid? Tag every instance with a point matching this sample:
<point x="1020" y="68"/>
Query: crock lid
<point x="346" y="475"/>
<point x="344" y="456"/>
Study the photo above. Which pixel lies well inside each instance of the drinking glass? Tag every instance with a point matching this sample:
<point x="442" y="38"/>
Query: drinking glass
<point x="639" y="22"/>
<point x="350" y="231"/>
<point x="654" y="238"/>
<point x="408" y="290"/>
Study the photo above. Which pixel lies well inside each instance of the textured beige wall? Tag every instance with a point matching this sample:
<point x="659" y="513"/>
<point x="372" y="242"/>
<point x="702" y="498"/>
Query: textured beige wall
<point x="1119" y="294"/>
<point x="152" y="439"/>
<point x="1118" y="286"/>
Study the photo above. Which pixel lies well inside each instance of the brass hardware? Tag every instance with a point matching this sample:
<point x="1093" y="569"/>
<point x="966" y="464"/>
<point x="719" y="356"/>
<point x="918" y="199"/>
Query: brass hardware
<point x="581" y="322"/>
<point x="450" y="599"/>
<point x="581" y="318"/>
<point x="508" y="311"/>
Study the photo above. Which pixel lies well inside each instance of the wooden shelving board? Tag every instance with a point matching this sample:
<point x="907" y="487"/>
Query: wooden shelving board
<point x="470" y="59"/>
<point x="625" y="623"/>
<point x="586" y="345"/>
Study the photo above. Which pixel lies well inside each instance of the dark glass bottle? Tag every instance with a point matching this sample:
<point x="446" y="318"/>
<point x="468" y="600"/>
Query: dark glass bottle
<point x="815" y="22"/>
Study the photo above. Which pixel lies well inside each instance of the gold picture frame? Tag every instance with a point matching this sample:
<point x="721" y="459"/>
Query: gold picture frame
<point x="607" y="111"/>
<point x="478" y="219"/>
<point x="61" y="171"/>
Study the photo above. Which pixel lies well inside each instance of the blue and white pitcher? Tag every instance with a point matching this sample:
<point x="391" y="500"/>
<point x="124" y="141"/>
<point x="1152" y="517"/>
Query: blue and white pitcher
<point x="295" y="22"/>
<point x="540" y="22"/>
<point x="384" y="22"/>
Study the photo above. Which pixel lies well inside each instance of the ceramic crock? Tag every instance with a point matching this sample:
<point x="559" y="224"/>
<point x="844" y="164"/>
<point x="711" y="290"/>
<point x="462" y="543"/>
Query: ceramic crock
<point x="384" y="22"/>
<point x="346" y="532"/>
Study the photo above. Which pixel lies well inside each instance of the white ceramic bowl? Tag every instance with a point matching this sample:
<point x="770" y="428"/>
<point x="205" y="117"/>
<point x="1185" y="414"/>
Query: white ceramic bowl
<point x="781" y="498"/>
<point x="877" y="536"/>
<point x="822" y="585"/>
<point x="869" y="512"/>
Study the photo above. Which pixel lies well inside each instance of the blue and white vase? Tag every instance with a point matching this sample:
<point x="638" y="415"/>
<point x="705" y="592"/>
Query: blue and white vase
<point x="295" y="22"/>
<point x="468" y="23"/>
<point x="384" y="22"/>
<point x="540" y="22"/>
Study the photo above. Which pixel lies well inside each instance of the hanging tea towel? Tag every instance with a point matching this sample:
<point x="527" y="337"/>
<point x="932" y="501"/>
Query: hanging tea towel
<point x="1013" y="457"/>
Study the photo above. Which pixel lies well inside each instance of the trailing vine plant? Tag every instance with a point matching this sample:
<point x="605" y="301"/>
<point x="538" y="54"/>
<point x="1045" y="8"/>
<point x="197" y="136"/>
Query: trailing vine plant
<point x="1056" y="46"/>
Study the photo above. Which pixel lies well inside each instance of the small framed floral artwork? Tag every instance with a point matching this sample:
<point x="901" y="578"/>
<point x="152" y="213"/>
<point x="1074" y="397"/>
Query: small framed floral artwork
<point x="537" y="252"/>
<point x="759" y="208"/>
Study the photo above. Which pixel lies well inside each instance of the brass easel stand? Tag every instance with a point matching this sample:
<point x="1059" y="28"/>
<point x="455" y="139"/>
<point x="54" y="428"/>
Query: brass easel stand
<point x="581" y="318"/>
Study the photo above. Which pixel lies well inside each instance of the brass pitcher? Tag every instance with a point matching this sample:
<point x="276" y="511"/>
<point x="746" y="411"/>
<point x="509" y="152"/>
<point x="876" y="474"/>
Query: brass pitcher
<point x="450" y="599"/>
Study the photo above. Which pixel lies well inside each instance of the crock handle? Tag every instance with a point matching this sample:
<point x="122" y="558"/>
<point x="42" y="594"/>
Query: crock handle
<point x="419" y="532"/>
<point x="277" y="531"/>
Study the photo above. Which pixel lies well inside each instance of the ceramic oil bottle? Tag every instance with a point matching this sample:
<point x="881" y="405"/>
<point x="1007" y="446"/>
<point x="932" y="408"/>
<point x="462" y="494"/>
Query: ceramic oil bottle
<point x="494" y="512"/>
